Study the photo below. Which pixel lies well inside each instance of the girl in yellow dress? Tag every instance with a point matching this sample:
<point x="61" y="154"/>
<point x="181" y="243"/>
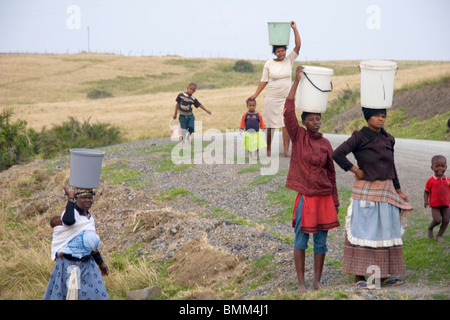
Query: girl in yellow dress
<point x="251" y="122"/>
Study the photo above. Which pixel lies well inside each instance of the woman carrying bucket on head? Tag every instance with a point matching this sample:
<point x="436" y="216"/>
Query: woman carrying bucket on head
<point x="276" y="78"/>
<point x="373" y="224"/>
<point x="76" y="250"/>
<point x="75" y="245"/>
<point x="313" y="177"/>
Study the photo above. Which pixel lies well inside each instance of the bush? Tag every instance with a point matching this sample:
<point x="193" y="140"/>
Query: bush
<point x="73" y="134"/>
<point x="243" y="66"/>
<point x="98" y="94"/>
<point x="17" y="143"/>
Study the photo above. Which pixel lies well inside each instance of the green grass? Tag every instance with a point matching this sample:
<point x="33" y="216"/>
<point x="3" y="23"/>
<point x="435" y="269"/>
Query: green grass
<point x="172" y="194"/>
<point x="431" y="129"/>
<point x="204" y="75"/>
<point x="229" y="216"/>
<point x="427" y="258"/>
<point x="260" y="272"/>
<point x="284" y="198"/>
<point x="119" y="173"/>
<point x="422" y="84"/>
<point x="346" y="100"/>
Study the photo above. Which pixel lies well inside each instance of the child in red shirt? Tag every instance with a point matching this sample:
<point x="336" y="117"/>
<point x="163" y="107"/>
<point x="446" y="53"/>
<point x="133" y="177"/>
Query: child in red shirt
<point x="437" y="196"/>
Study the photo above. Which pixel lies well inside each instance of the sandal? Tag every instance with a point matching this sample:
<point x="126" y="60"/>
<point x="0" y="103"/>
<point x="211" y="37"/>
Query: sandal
<point x="392" y="282"/>
<point x="365" y="285"/>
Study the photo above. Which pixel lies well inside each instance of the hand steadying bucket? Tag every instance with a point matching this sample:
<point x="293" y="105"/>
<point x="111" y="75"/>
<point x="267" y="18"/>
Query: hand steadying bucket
<point x="314" y="88"/>
<point x="175" y="131"/>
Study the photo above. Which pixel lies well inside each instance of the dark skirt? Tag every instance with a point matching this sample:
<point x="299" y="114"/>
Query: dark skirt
<point x="91" y="282"/>
<point x="358" y="260"/>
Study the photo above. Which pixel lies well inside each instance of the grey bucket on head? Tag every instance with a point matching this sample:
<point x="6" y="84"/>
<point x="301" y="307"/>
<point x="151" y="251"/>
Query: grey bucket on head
<point x="85" y="168"/>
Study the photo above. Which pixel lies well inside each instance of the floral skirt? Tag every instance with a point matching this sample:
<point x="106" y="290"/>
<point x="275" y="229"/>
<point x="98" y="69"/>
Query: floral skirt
<point x="90" y="282"/>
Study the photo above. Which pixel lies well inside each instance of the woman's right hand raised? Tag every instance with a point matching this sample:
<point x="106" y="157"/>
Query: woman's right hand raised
<point x="70" y="193"/>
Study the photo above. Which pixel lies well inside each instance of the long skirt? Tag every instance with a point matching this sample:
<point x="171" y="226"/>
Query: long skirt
<point x="373" y="230"/>
<point x="90" y="282"/>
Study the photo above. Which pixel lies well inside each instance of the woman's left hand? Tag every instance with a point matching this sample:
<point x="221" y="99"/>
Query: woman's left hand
<point x="104" y="269"/>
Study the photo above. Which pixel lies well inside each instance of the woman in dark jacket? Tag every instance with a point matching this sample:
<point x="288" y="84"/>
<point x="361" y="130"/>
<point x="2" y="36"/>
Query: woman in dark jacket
<point x="373" y="226"/>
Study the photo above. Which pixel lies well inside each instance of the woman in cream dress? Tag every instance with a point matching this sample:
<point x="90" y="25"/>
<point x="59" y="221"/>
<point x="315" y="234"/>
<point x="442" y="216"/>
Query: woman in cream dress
<point x="277" y="78"/>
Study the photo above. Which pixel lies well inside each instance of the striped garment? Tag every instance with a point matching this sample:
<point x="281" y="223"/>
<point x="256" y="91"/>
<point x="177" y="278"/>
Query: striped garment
<point x="380" y="191"/>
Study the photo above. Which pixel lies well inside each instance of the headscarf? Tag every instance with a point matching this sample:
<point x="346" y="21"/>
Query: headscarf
<point x="372" y="112"/>
<point x="84" y="192"/>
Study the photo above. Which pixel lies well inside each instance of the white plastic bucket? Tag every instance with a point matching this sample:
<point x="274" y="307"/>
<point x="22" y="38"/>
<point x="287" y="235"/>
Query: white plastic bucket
<point x="85" y="168"/>
<point x="175" y="131"/>
<point x="377" y="83"/>
<point x="279" y="33"/>
<point x="313" y="90"/>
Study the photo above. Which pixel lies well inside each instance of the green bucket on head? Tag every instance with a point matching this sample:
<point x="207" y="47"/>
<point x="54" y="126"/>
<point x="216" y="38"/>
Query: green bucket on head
<point x="85" y="168"/>
<point x="279" y="33"/>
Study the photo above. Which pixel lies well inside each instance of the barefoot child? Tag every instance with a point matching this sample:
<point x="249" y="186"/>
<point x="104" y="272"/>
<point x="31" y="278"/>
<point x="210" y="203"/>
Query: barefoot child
<point x="185" y="100"/>
<point x="437" y="196"/>
<point x="251" y="122"/>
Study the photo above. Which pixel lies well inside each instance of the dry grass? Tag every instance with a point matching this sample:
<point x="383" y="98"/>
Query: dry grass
<point x="46" y="89"/>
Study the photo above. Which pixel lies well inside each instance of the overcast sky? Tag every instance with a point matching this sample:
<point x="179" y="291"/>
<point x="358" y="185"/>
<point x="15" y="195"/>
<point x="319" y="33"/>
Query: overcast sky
<point x="330" y="29"/>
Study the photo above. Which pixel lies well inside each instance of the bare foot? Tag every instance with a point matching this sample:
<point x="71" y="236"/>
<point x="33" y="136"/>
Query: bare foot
<point x="317" y="286"/>
<point x="439" y="239"/>
<point x="430" y="233"/>
<point x="301" y="288"/>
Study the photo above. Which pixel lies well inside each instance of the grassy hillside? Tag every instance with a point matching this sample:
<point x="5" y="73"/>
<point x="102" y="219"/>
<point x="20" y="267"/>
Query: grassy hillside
<point x="46" y="90"/>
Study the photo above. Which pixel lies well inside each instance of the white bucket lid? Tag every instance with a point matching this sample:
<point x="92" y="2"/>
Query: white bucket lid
<point x="317" y="70"/>
<point x="378" y="65"/>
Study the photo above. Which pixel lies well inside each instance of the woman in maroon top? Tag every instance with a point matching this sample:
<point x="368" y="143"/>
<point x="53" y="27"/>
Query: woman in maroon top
<point x="312" y="175"/>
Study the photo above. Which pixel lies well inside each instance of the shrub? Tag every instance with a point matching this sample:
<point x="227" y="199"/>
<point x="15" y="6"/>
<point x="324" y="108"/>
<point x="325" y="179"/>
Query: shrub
<point x="73" y="134"/>
<point x="16" y="141"/>
<point x="98" y="94"/>
<point x="243" y="66"/>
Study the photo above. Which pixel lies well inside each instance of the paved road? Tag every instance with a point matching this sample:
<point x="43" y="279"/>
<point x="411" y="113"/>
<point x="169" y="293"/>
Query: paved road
<point x="412" y="159"/>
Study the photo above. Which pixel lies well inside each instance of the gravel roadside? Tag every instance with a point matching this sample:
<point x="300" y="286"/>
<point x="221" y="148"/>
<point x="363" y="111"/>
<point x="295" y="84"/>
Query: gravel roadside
<point x="221" y="193"/>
